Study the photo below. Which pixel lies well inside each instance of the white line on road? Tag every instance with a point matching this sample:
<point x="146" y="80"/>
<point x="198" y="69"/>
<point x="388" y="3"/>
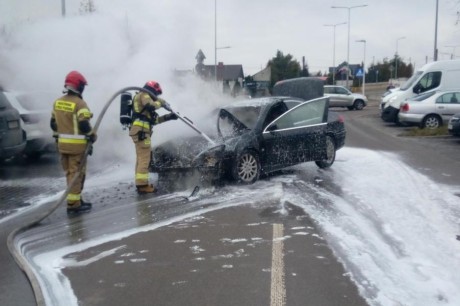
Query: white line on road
<point x="278" y="290"/>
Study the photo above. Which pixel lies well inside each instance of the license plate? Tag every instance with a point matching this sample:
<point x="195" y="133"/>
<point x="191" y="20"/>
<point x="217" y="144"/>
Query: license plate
<point x="13" y="124"/>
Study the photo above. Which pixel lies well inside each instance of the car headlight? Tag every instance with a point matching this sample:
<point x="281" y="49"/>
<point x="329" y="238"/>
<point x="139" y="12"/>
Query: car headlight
<point x="454" y="119"/>
<point x="13" y="124"/>
<point x="210" y="157"/>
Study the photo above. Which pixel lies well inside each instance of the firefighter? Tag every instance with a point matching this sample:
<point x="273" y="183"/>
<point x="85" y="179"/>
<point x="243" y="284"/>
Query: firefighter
<point x="70" y="122"/>
<point x="144" y="118"/>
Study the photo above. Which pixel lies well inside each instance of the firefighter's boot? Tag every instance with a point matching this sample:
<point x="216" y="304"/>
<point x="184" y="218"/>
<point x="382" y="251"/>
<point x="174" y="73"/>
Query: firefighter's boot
<point x="143" y="189"/>
<point x="77" y="209"/>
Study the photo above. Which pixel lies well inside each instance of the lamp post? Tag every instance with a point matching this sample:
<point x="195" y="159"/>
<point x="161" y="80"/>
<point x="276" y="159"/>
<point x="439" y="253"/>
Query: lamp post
<point x="348" y="44"/>
<point x="333" y="56"/>
<point x="63" y="7"/>
<point x="364" y="66"/>
<point x="435" y="57"/>
<point x="396" y="57"/>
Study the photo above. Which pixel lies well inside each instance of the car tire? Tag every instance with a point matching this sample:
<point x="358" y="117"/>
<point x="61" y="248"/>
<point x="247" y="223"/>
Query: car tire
<point x="331" y="150"/>
<point x="358" y="104"/>
<point x="431" y="122"/>
<point x="246" y="167"/>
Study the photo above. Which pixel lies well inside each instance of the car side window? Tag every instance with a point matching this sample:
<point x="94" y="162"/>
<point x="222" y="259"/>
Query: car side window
<point x="429" y="81"/>
<point x="275" y="111"/>
<point x="328" y="90"/>
<point x="3" y="101"/>
<point x="448" y="98"/>
<point x="306" y="114"/>
<point x="341" y="91"/>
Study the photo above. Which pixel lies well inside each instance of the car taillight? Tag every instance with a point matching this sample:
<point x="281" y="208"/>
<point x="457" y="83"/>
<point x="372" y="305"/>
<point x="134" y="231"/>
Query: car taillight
<point x="405" y="107"/>
<point x="341" y="119"/>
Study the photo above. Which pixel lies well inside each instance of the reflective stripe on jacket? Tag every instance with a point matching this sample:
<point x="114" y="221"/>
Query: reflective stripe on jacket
<point x="144" y="123"/>
<point x="68" y="112"/>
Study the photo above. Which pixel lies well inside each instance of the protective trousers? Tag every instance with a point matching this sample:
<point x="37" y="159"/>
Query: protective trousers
<point x="143" y="150"/>
<point x="70" y="164"/>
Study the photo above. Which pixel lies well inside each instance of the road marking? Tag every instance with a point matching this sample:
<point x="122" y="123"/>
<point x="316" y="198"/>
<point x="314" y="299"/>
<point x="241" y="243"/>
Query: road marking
<point x="278" y="290"/>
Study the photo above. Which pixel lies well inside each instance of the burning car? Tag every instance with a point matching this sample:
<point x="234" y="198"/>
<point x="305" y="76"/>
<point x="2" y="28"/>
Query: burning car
<point x="254" y="137"/>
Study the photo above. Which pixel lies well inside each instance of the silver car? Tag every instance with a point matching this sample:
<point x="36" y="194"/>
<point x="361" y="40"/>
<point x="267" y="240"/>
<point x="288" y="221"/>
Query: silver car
<point x="339" y="96"/>
<point x="430" y="110"/>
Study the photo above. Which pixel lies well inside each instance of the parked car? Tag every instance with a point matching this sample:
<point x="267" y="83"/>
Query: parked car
<point x="454" y="125"/>
<point x="35" y="118"/>
<point x="12" y="136"/>
<point x="255" y="137"/>
<point x="435" y="76"/>
<point x="430" y="110"/>
<point x="342" y="97"/>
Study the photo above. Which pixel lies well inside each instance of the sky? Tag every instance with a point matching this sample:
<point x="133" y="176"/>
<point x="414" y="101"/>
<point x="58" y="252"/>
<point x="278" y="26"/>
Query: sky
<point x="255" y="30"/>
<point x="396" y="254"/>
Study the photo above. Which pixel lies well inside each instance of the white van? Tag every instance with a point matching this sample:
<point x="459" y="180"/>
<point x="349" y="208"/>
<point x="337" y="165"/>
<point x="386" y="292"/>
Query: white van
<point x="435" y="76"/>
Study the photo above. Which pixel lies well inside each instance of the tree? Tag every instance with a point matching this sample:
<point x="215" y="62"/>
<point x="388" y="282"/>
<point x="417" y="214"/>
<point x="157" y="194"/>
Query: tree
<point x="283" y="67"/>
<point x="87" y="7"/>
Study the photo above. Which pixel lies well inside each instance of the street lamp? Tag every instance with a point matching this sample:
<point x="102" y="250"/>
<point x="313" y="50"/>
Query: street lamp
<point x="333" y="56"/>
<point x="396" y="57"/>
<point x="63" y="7"/>
<point x="348" y="44"/>
<point x="435" y="57"/>
<point x="364" y="66"/>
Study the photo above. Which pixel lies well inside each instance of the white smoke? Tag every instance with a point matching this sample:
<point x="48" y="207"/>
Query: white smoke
<point x="115" y="47"/>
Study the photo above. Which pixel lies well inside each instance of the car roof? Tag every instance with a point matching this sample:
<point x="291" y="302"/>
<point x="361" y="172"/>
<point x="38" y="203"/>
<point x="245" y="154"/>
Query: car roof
<point x="261" y="102"/>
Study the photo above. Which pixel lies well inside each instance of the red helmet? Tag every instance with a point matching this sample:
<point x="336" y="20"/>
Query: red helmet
<point x="75" y="81"/>
<point x="153" y="87"/>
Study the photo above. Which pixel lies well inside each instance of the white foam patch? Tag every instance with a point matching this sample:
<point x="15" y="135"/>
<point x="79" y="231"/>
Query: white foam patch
<point x="393" y="229"/>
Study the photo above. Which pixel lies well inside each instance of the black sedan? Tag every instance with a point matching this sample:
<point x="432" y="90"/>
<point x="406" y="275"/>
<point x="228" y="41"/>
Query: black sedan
<point x="454" y="125"/>
<point x="254" y="137"/>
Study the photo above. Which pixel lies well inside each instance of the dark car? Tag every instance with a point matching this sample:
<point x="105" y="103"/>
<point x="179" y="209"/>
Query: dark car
<point x="255" y="137"/>
<point x="454" y="125"/>
<point x="12" y="137"/>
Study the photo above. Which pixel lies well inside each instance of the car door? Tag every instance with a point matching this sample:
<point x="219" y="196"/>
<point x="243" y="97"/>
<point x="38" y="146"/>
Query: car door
<point x="447" y="105"/>
<point x="343" y="97"/>
<point x="298" y="135"/>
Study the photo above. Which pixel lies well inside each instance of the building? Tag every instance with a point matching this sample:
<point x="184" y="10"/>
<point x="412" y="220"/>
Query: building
<point x="230" y="76"/>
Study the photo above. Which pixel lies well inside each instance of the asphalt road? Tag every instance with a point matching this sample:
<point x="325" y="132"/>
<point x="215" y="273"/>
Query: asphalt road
<point x="213" y="250"/>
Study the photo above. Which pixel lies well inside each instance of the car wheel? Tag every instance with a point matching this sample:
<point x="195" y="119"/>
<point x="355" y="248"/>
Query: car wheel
<point x="330" y="151"/>
<point x="431" y="122"/>
<point x="246" y="168"/>
<point x="358" y="105"/>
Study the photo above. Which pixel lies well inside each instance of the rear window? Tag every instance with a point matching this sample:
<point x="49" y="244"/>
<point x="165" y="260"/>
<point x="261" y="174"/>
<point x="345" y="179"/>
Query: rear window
<point x="3" y="101"/>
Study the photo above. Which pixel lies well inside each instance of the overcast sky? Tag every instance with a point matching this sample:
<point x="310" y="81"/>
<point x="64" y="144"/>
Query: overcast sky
<point x="256" y="29"/>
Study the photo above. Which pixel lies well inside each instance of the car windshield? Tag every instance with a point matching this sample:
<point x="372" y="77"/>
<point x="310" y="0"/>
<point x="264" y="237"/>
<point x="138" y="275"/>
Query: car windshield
<point x="3" y="101"/>
<point x="423" y="96"/>
<point x="411" y="81"/>
<point x="235" y="120"/>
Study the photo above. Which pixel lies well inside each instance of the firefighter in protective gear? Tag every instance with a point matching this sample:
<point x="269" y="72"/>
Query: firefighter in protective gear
<point x="144" y="118"/>
<point x="70" y="122"/>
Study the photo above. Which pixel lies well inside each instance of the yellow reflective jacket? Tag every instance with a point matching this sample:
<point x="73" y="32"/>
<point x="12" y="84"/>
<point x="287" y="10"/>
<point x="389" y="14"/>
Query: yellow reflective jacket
<point x="67" y="112"/>
<point x="142" y="118"/>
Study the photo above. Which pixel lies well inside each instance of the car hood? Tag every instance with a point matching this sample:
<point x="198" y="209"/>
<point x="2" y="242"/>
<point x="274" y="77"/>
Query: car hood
<point x="194" y="151"/>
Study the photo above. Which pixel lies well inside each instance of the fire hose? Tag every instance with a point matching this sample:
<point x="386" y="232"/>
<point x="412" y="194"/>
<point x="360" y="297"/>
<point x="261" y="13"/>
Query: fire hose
<point x="20" y="260"/>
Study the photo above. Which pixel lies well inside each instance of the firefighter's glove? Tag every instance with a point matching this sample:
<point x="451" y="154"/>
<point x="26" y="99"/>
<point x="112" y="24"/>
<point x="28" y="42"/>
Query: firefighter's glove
<point x="92" y="137"/>
<point x="56" y="137"/>
<point x="170" y="116"/>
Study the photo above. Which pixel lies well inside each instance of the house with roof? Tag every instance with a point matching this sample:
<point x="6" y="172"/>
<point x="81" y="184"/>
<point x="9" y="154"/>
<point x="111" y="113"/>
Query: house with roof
<point x="230" y="76"/>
